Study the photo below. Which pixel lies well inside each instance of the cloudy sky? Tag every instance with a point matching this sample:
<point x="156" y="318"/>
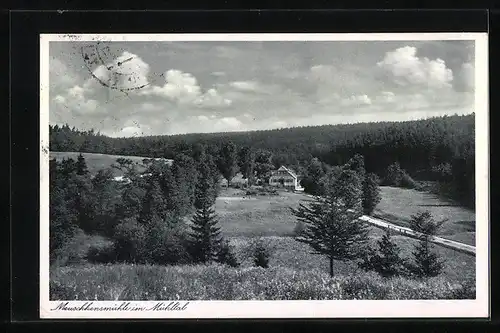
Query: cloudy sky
<point x="150" y="88"/>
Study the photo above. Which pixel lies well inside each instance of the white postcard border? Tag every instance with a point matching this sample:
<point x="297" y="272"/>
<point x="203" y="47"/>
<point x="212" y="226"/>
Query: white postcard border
<point x="286" y="309"/>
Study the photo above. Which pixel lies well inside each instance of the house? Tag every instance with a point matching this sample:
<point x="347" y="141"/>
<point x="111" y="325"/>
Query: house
<point x="286" y="178"/>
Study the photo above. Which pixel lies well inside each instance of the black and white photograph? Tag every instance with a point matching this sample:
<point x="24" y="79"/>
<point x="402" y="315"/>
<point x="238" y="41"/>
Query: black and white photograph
<point x="264" y="175"/>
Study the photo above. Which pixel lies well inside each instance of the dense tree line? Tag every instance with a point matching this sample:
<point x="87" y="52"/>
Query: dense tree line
<point x="440" y="149"/>
<point x="143" y="216"/>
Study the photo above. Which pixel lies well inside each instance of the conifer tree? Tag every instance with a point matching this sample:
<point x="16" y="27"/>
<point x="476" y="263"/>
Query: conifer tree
<point x="331" y="222"/>
<point x="371" y="193"/>
<point x="81" y="166"/>
<point x="386" y="260"/>
<point x="205" y="237"/>
<point x="426" y="262"/>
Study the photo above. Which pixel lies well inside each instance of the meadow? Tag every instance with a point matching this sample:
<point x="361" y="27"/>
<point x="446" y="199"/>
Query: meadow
<point x="216" y="282"/>
<point x="96" y="162"/>
<point x="398" y="204"/>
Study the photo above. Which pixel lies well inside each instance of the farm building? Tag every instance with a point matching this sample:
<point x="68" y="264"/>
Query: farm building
<point x="286" y="178"/>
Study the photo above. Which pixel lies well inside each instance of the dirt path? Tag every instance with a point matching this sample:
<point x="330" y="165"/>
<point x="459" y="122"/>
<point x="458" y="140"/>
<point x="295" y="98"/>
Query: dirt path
<point x="411" y="233"/>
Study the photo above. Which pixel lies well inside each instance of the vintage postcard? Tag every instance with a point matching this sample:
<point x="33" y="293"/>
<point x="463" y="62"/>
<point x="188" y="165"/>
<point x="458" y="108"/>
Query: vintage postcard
<point x="264" y="175"/>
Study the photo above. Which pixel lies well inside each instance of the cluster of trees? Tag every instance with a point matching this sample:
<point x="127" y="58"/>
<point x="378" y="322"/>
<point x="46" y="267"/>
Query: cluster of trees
<point x="143" y="217"/>
<point x="440" y="149"/>
<point x="331" y="226"/>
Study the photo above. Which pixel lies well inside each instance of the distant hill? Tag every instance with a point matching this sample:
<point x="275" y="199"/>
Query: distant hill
<point x="96" y="162"/>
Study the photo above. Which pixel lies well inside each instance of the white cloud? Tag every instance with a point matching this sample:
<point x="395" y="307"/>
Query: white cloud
<point x="183" y="88"/>
<point x="218" y="73"/>
<point x="60" y="75"/>
<point x="75" y="100"/>
<point x="406" y="69"/>
<point x="150" y="107"/>
<point x="356" y="100"/>
<point x="245" y="85"/>
<point x="464" y="81"/>
<point x="385" y="97"/>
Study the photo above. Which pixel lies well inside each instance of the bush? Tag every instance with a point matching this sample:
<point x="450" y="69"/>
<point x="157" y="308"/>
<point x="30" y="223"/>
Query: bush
<point x="74" y="251"/>
<point x="407" y="182"/>
<point x="166" y="245"/>
<point x="102" y="254"/>
<point x="299" y="228"/>
<point x="226" y="255"/>
<point x="129" y="238"/>
<point x="261" y="255"/>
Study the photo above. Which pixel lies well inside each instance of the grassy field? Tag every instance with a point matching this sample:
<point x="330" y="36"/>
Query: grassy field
<point x="96" y="162"/>
<point x="243" y="218"/>
<point x="215" y="282"/>
<point x="270" y="215"/>
<point x="399" y="204"/>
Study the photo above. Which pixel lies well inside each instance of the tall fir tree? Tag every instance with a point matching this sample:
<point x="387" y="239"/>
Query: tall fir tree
<point x="371" y="193"/>
<point x="205" y="238"/>
<point x="331" y="224"/>
<point x="426" y="262"/>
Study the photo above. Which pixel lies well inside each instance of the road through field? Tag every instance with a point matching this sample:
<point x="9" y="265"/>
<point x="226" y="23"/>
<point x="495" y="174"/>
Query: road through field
<point x="411" y="233"/>
<point x="469" y="249"/>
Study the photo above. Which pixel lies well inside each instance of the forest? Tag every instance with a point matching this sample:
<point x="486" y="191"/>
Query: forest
<point x="439" y="150"/>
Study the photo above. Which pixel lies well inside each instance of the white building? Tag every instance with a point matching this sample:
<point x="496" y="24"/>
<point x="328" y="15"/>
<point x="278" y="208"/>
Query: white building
<point x="286" y="178"/>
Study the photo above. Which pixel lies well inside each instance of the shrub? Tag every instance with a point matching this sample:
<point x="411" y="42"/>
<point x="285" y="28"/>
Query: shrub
<point x="407" y="182"/>
<point x="299" y="228"/>
<point x="129" y="238"/>
<point x="252" y="192"/>
<point x="261" y="255"/>
<point x="73" y="251"/>
<point x="166" y="245"/>
<point x="226" y="255"/>
<point x="102" y="254"/>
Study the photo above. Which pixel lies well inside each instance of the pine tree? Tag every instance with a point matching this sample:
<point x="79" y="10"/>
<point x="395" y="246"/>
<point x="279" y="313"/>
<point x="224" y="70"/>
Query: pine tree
<point x="205" y="242"/>
<point x="371" y="193"/>
<point x="357" y="164"/>
<point x="332" y="226"/>
<point x="386" y="260"/>
<point x="205" y="238"/>
<point x="81" y="166"/>
<point x="426" y="263"/>
<point x="347" y="187"/>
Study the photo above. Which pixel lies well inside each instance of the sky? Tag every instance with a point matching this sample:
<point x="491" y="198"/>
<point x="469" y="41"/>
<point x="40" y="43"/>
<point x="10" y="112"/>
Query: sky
<point x="124" y="89"/>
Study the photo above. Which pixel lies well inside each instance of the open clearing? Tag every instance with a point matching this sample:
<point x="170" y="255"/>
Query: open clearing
<point x="268" y="215"/>
<point x="243" y="218"/>
<point x="399" y="204"/>
<point x="96" y="162"/>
